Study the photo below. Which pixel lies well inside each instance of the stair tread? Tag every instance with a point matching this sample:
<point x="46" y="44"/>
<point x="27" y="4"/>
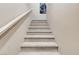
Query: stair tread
<point x="39" y="31"/>
<point x="38" y="27"/>
<point x="38" y="24"/>
<point x="39" y="40"/>
<point x="39" y="44"/>
<point x="39" y="20"/>
<point x="39" y="53"/>
<point x="40" y="36"/>
<point x="31" y="33"/>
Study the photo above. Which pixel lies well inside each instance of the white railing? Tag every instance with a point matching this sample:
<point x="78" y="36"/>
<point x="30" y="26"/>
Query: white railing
<point x="13" y="22"/>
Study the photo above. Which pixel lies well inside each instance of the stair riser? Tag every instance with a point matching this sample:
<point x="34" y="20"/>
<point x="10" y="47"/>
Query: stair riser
<point x="40" y="22"/>
<point x="39" y="25"/>
<point x="40" y="36"/>
<point x="39" y="49"/>
<point x="39" y="40"/>
<point x="39" y="28"/>
<point x="39" y="33"/>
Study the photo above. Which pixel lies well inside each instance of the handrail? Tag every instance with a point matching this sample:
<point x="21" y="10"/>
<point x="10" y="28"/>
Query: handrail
<point x="13" y="22"/>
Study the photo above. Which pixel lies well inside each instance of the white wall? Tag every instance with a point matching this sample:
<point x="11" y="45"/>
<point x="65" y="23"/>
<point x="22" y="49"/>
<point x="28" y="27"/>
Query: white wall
<point x="10" y="42"/>
<point x="36" y="12"/>
<point x="9" y="11"/>
<point x="64" y="19"/>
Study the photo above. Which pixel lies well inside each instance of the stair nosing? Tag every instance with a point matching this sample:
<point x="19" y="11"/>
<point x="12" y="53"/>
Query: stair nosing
<point x="39" y="44"/>
<point x="40" y="36"/>
<point x="38" y="32"/>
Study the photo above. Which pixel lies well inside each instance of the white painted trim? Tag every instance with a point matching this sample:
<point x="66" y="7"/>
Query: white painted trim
<point x="13" y="22"/>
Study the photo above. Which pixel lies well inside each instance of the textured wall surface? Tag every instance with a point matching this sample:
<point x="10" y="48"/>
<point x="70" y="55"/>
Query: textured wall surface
<point x="11" y="41"/>
<point x="64" y="19"/>
<point x="8" y="11"/>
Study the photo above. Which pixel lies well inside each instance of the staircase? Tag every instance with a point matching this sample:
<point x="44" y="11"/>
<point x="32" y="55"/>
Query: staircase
<point x="39" y="40"/>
